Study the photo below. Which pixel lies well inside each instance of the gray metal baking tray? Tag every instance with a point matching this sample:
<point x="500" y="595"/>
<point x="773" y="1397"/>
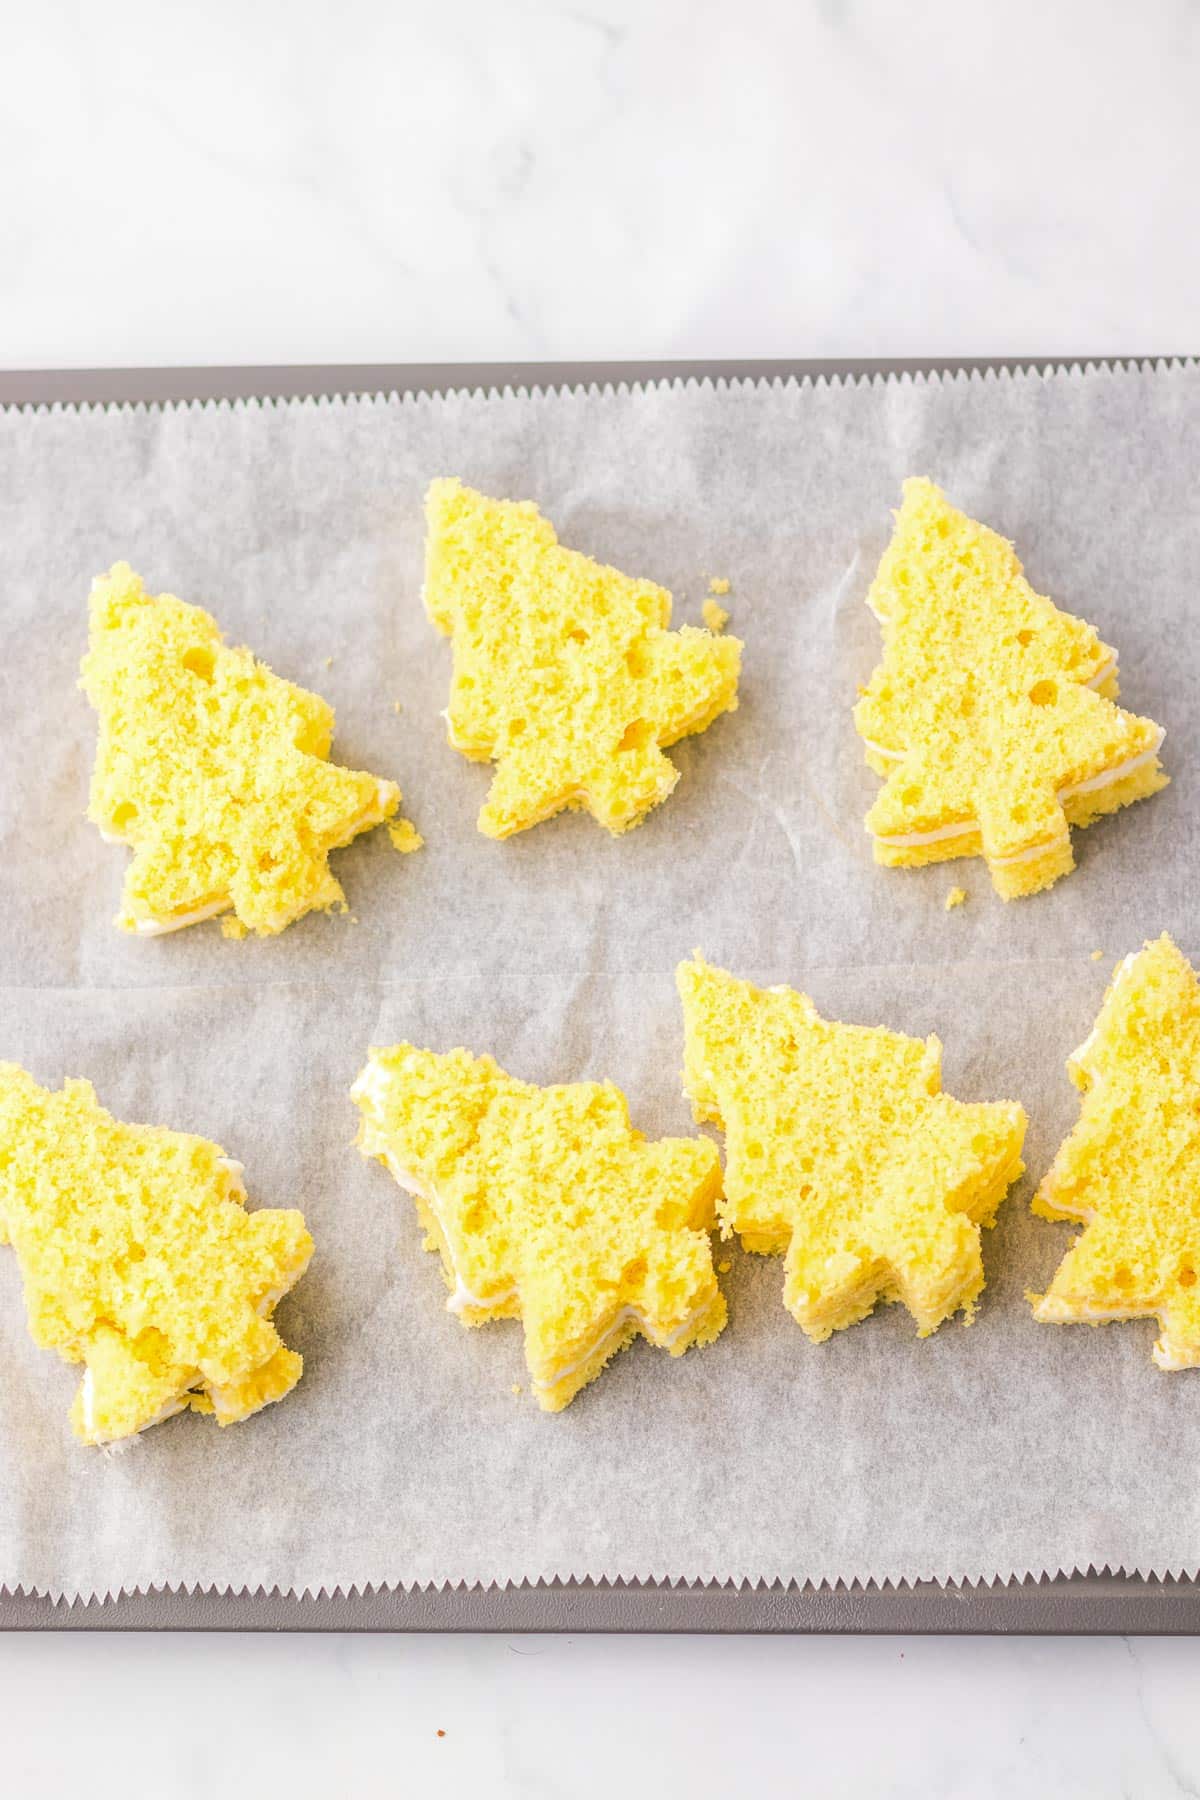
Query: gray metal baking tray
<point x="1095" y="1602"/>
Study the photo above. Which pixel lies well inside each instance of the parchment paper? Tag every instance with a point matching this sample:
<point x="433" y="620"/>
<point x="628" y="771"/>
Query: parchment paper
<point x="404" y="1456"/>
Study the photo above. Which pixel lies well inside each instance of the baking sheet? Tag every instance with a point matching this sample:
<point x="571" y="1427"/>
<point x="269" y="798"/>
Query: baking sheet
<point x="1152" y="421"/>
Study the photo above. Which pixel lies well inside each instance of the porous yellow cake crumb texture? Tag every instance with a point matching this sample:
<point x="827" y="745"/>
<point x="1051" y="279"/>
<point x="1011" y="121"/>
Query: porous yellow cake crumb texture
<point x="405" y="837"/>
<point x="565" y="674"/>
<point x="954" y="898"/>
<point x="212" y="770"/>
<point x="991" y="717"/>
<point x="842" y="1153"/>
<point x="1130" y="1169"/>
<point x="140" y="1261"/>
<point x="718" y="585"/>
<point x="546" y="1205"/>
<point x="715" y="617"/>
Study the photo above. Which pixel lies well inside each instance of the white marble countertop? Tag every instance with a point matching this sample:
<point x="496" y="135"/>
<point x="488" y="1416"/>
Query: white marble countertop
<point x="608" y="178"/>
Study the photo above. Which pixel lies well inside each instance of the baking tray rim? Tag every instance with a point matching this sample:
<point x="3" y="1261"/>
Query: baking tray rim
<point x="1094" y="1602"/>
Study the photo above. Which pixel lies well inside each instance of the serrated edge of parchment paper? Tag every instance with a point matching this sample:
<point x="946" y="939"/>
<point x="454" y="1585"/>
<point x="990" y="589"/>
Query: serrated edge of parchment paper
<point x="949" y="372"/>
<point x="966" y="1583"/>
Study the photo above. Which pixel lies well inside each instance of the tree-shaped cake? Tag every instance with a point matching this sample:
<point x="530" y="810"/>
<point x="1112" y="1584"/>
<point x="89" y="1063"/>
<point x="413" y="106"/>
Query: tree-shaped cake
<point x="842" y="1153"/>
<point x="992" y="715"/>
<point x="213" y="770"/>
<point x="546" y="1205"/>
<point x="1131" y="1167"/>
<point x="140" y="1261"/>
<point x="565" y="674"/>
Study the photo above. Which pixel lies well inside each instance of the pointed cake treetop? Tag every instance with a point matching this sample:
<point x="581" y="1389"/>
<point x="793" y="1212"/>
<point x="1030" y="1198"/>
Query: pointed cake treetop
<point x="1130" y="1169"/>
<point x="213" y="770"/>
<point x="140" y="1260"/>
<point x="842" y="1152"/>
<point x="546" y="1205"/>
<point x="565" y="674"/>
<point x="992" y="715"/>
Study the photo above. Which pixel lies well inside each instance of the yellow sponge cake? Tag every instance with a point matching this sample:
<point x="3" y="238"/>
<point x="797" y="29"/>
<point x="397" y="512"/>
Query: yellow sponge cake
<point x="213" y="771"/>
<point x="992" y="717"/>
<point x="140" y="1261"/>
<point x="1130" y="1170"/>
<point x="546" y="1205"/>
<point x="565" y="674"/>
<point x="842" y="1153"/>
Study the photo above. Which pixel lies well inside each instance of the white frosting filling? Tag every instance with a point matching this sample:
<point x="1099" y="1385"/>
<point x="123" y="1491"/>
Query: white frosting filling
<point x="371" y="1086"/>
<point x="1052" y="1311"/>
<point x="369" y="814"/>
<point x="1032" y="853"/>
<point x="235" y="1171"/>
<point x="1107" y="777"/>
<point x="176" y="921"/>
<point x="911" y="840"/>
<point x="609" y="1332"/>
<point x="1078" y="1057"/>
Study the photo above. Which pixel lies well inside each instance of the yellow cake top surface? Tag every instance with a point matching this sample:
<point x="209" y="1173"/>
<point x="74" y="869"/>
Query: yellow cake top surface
<point x="544" y="1202"/>
<point x="1131" y="1167"/>
<point x="565" y="673"/>
<point x="841" y="1150"/>
<point x="213" y="770"/>
<point x="140" y="1260"/>
<point x="990" y="706"/>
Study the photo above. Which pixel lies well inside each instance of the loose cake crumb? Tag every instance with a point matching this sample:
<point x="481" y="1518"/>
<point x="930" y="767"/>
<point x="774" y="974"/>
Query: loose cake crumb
<point x="955" y="897"/>
<point x="396" y="707"/>
<point x="516" y="1389"/>
<point x="715" y="617"/>
<point x="1096" y="955"/>
<point x="718" y="585"/>
<point x="405" y="836"/>
<point x="723" y="1268"/>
